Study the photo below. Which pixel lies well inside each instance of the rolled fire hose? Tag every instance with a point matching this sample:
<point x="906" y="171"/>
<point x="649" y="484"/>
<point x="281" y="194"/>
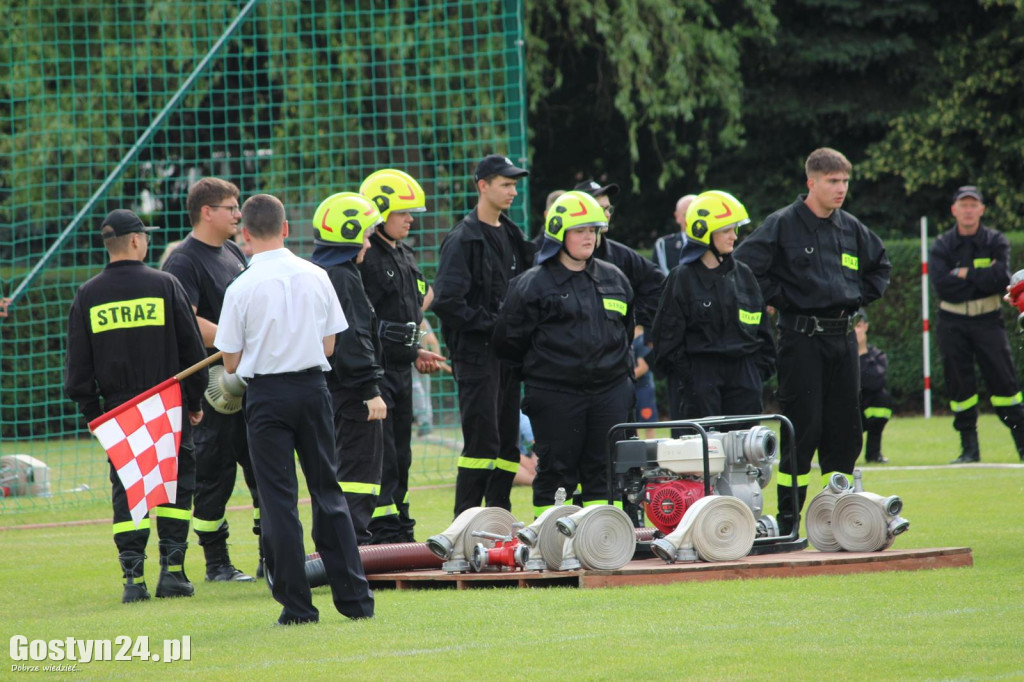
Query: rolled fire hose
<point x="714" y="528"/>
<point x="456" y="543"/>
<point x="545" y="540"/>
<point x="819" y="514"/>
<point x="406" y="556"/>
<point x="225" y="390"/>
<point x="866" y="522"/>
<point x="603" y="537"/>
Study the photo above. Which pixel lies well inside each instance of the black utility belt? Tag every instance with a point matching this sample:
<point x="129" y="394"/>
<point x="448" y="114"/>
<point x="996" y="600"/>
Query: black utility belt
<point x="309" y="370"/>
<point x="812" y="325"/>
<point x="404" y="333"/>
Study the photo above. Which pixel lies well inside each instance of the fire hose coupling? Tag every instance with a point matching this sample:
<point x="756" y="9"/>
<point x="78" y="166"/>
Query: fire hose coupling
<point x="545" y="540"/>
<point x="601" y="537"/>
<point x="404" y="333"/>
<point x="843" y="519"/>
<point x="715" y="528"/>
<point x="457" y="543"/>
<point x="224" y="390"/>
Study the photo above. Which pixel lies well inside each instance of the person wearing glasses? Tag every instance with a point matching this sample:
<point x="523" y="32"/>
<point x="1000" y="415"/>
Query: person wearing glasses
<point x="643" y="275"/>
<point x="205" y="262"/>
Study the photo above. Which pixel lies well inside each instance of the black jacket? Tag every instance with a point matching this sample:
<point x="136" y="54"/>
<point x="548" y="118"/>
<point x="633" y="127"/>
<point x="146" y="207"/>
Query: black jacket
<point x="471" y="284"/>
<point x="566" y="330"/>
<point x="643" y="275"/>
<point x="355" y="365"/>
<point x="873" y="368"/>
<point x="130" y="328"/>
<point x="395" y="287"/>
<point x="816" y="266"/>
<point x="986" y="255"/>
<point x="712" y="312"/>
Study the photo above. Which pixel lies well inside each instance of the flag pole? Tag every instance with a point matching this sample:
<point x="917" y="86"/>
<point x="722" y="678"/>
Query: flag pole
<point x="198" y="366"/>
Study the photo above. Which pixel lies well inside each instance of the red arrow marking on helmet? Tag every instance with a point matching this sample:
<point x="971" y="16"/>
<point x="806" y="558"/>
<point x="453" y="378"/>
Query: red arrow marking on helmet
<point x="412" y="193"/>
<point x="370" y="212"/>
<point x="323" y="222"/>
<point x="583" y="210"/>
<point x="728" y="211"/>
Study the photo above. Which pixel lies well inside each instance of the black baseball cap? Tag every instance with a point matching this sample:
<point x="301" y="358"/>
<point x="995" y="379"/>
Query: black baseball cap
<point x="120" y="222"/>
<point x="967" y="191"/>
<point x="496" y="164"/>
<point x="595" y="189"/>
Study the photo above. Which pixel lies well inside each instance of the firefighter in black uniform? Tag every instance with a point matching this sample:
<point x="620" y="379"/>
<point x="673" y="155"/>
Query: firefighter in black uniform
<point x="478" y="258"/>
<point x="875" y="401"/>
<point x="668" y="249"/>
<point x="344" y="223"/>
<point x="110" y="360"/>
<point x="396" y="287"/>
<point x="643" y="275"/>
<point x="712" y="329"/>
<point x="816" y="265"/>
<point x="567" y="326"/>
<point x="969" y="266"/>
<point x="205" y="262"/>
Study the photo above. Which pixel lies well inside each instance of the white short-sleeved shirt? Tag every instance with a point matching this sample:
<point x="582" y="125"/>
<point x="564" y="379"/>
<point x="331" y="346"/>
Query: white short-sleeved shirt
<point x="277" y="312"/>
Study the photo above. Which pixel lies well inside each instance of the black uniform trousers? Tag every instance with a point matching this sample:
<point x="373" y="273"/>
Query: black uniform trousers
<point x="221" y="446"/>
<point x="359" y="452"/>
<point x="717" y="385"/>
<point x="875" y="412"/>
<point x="489" y="409"/>
<point x="964" y="341"/>
<point x="391" y="521"/>
<point x="286" y="414"/>
<point x="571" y="439"/>
<point x="819" y="391"/>
<point x="171" y="519"/>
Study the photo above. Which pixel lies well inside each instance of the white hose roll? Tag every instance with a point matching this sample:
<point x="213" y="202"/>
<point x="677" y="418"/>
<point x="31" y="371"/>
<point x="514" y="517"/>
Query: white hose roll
<point x="819" y="522"/>
<point x="488" y="520"/>
<point x="550" y="541"/>
<point x="859" y="523"/>
<point x="718" y="528"/>
<point x="604" y="539"/>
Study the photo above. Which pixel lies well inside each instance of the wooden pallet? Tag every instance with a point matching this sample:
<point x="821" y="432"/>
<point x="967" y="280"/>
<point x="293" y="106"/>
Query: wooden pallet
<point x="657" y="572"/>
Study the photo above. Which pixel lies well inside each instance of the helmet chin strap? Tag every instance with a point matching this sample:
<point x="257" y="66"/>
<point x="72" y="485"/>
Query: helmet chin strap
<point x="382" y="228"/>
<point x="714" y="251"/>
<point x="578" y="260"/>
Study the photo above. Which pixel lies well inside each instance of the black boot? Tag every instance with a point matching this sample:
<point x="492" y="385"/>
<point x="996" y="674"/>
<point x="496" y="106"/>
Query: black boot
<point x="173" y="581"/>
<point x="257" y="531"/>
<point x="969" y="452"/>
<point x="218" y="565"/>
<point x="1018" y="440"/>
<point x="134" y="582"/>
<point x="873" y="447"/>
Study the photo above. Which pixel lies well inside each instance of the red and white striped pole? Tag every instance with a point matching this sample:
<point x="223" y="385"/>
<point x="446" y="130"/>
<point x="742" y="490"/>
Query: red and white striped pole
<point x="924" y="316"/>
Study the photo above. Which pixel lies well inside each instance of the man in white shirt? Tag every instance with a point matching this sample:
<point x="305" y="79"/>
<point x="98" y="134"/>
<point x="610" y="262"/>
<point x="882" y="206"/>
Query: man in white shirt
<point x="276" y="330"/>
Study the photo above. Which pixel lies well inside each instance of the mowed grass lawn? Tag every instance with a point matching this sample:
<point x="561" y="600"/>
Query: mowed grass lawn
<point x="965" y="623"/>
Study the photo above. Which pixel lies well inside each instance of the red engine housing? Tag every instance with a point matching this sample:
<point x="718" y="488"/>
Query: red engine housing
<point x="1017" y="291"/>
<point x="668" y="501"/>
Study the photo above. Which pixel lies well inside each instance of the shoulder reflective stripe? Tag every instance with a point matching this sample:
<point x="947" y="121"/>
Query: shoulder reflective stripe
<point x="129" y="526"/>
<point x="826" y="477"/>
<point x="505" y="465"/>
<point x="355" y="488"/>
<point x="784" y="480"/>
<point x="851" y="261"/>
<point x="201" y="526"/>
<point x="476" y="463"/>
<point x="963" y="405"/>
<point x="615" y="305"/>
<point x="386" y="510"/>
<point x="138" y="312"/>
<point x="747" y="317"/>
<point x="422" y="286"/>
<point x="982" y="262"/>
<point x="1006" y="400"/>
<point x="878" y="413"/>
<point x="173" y="513"/>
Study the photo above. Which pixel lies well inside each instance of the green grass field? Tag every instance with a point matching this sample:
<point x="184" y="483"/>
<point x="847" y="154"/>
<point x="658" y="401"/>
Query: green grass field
<point x="964" y="623"/>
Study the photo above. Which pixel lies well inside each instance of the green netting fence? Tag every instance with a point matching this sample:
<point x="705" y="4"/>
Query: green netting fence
<point x="125" y="104"/>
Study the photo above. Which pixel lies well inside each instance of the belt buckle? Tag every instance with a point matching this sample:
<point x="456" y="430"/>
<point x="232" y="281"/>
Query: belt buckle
<point x="818" y="329"/>
<point x="413" y="329"/>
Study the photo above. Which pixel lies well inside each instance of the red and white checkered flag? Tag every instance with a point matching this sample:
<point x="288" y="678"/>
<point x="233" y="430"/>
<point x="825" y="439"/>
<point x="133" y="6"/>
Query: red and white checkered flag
<point x="142" y="437"/>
